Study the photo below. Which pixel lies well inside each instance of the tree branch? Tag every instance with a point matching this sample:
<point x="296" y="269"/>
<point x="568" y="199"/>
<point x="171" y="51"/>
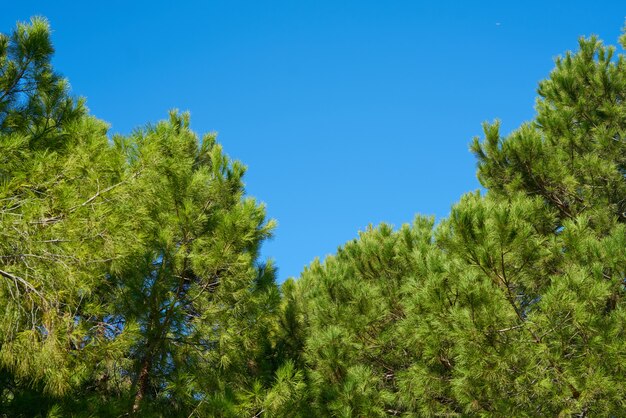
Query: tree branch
<point x="24" y="283"/>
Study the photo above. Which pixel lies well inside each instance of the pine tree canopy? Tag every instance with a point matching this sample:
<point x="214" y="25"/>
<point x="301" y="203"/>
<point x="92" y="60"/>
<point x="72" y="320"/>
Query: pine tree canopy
<point x="131" y="281"/>
<point x="130" y="273"/>
<point x="514" y="304"/>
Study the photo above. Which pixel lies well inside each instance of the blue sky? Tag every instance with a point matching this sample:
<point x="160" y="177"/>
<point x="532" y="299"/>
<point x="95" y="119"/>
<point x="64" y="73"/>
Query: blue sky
<point x="347" y="113"/>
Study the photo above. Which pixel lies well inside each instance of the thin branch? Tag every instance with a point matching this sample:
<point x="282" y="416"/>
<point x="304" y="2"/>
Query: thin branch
<point x="24" y="283"/>
<point x="108" y="189"/>
<point x="510" y="328"/>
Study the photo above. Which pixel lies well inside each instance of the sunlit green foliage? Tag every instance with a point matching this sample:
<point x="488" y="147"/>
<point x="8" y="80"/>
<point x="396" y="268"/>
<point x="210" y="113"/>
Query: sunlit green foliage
<point x="128" y="267"/>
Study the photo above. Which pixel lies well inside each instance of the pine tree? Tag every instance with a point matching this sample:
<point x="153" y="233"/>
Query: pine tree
<point x="55" y="161"/>
<point x="514" y="304"/>
<point x="572" y="157"/>
<point x="352" y="305"/>
<point x="129" y="269"/>
<point x="194" y="303"/>
<point x="573" y="154"/>
<point x="33" y="98"/>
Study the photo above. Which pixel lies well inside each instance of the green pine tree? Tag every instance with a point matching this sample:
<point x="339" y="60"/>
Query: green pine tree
<point x="514" y="304"/>
<point x="198" y="301"/>
<point x="54" y="163"/>
<point x="129" y="266"/>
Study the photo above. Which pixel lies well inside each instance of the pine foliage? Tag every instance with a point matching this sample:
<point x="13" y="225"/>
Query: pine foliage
<point x="131" y="282"/>
<point x="514" y="304"/>
<point x="129" y="267"/>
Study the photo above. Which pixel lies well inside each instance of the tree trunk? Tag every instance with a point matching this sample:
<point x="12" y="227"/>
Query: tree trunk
<point x="142" y="383"/>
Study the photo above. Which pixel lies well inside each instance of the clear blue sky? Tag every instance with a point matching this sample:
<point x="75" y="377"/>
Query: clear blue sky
<point x="345" y="112"/>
